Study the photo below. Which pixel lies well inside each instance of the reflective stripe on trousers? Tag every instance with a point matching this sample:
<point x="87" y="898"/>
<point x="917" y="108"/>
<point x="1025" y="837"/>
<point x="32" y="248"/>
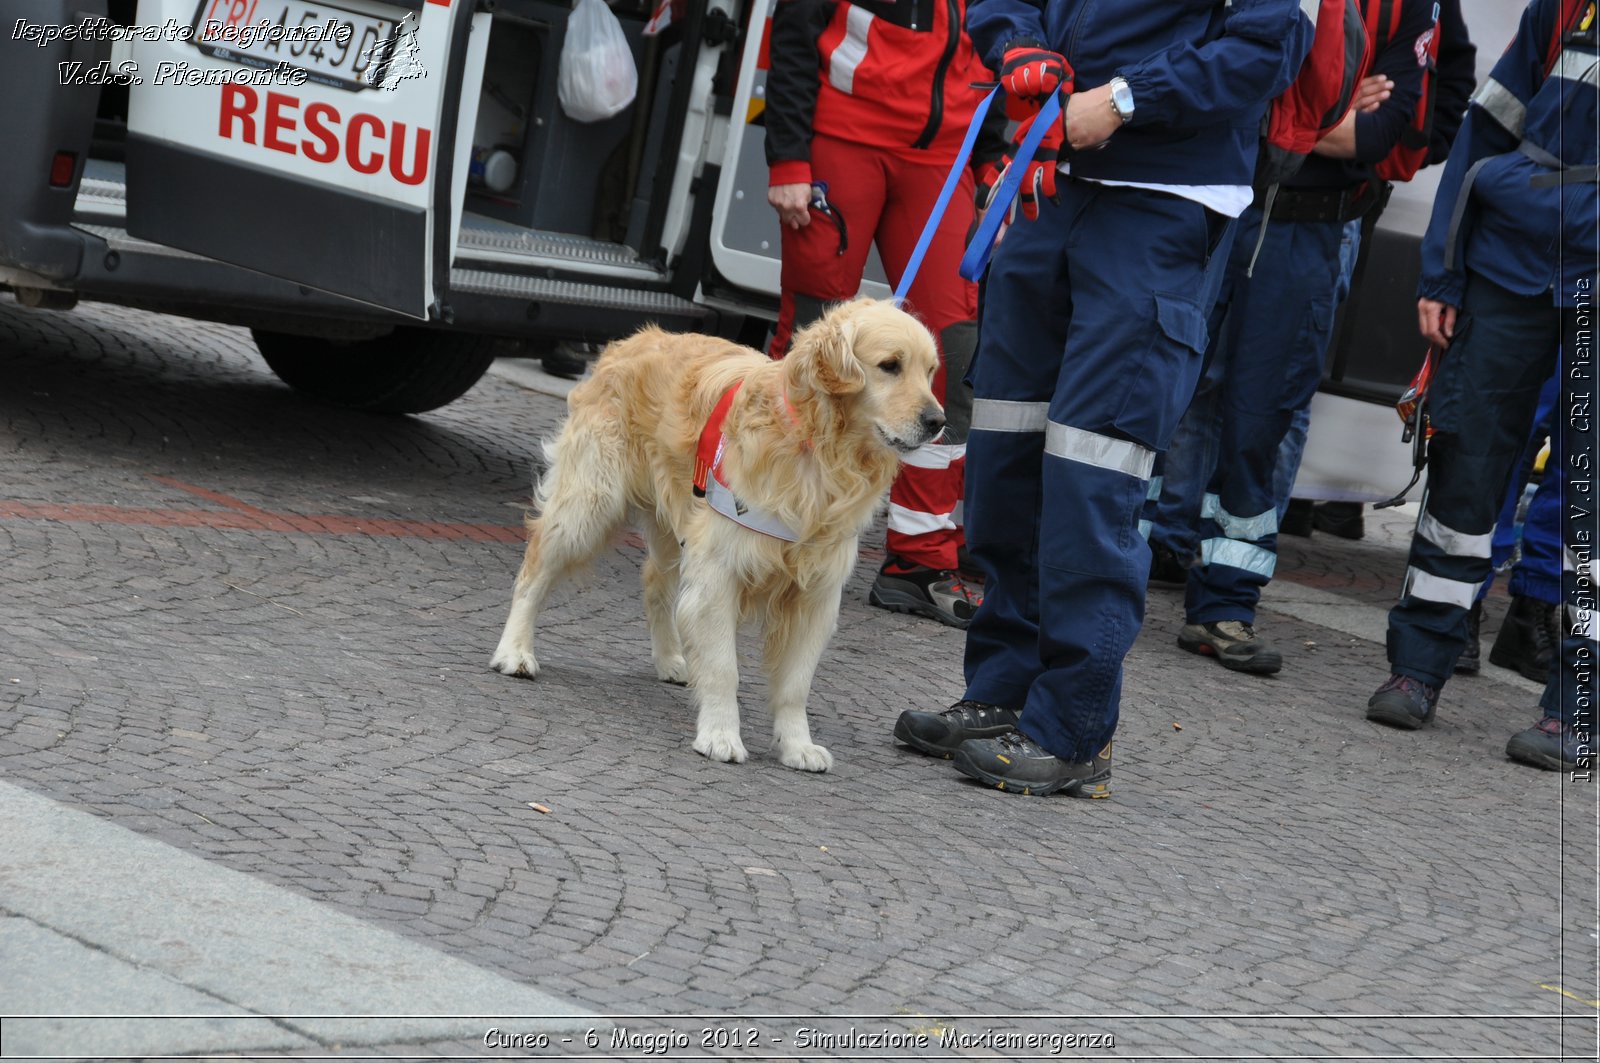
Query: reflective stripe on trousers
<point x="1084" y="364"/>
<point x="1063" y="441"/>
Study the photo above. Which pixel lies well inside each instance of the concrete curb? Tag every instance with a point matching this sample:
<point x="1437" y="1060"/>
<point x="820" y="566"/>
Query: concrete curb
<point x="101" y="921"/>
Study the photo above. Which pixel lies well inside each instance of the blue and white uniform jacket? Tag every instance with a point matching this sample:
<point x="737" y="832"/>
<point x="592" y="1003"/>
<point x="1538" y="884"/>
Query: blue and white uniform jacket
<point x="1518" y="201"/>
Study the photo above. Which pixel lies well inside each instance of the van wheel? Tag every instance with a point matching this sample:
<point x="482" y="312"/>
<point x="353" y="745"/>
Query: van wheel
<point x="411" y="370"/>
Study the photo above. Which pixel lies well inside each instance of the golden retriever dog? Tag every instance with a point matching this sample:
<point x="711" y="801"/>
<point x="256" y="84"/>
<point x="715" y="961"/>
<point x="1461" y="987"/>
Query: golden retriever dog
<point x="806" y="451"/>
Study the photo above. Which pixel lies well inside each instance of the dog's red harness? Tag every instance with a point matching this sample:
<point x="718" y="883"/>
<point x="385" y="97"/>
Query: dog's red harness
<point x="710" y="484"/>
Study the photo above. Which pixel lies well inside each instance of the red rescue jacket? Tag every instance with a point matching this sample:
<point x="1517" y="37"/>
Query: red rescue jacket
<point x="895" y="74"/>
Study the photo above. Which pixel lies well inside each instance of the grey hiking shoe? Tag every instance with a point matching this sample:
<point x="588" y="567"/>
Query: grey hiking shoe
<point x="1234" y="644"/>
<point x="1551" y="745"/>
<point x="1403" y="702"/>
<point x="1017" y="764"/>
<point x="940" y="734"/>
<point x="941" y="596"/>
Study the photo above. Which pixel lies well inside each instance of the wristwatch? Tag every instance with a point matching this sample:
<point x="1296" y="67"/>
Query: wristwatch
<point x="1122" y="99"/>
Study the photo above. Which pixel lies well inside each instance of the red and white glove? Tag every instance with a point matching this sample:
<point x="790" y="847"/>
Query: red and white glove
<point x="988" y="178"/>
<point x="1039" y="179"/>
<point x="1029" y="74"/>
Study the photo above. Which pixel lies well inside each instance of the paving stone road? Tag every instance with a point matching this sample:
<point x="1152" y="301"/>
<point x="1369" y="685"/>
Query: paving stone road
<point x="257" y="629"/>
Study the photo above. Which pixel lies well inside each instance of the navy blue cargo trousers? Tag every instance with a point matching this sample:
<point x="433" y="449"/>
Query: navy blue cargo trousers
<point x="1093" y="331"/>
<point x="1482" y="403"/>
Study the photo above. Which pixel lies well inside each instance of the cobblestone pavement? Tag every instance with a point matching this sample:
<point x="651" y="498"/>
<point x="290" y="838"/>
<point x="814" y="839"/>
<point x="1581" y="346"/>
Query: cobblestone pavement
<point x="258" y="629"/>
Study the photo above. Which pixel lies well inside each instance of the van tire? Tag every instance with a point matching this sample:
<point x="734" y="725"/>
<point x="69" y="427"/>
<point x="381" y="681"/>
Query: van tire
<point x="411" y="370"/>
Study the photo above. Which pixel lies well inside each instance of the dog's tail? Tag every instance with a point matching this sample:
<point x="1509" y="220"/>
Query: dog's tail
<point x="582" y="496"/>
<point x="544" y="479"/>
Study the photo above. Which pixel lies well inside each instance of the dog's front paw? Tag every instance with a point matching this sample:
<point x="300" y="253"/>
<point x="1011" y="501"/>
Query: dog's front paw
<point x="515" y="662"/>
<point x="808" y="757"/>
<point x="719" y="746"/>
<point x="673" y="669"/>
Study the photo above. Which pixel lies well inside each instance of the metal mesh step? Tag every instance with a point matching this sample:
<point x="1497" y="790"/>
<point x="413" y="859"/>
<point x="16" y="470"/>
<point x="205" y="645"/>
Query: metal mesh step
<point x="478" y="281"/>
<point x="539" y="289"/>
<point x="103" y="192"/>
<point x="102" y="200"/>
<point x="488" y="240"/>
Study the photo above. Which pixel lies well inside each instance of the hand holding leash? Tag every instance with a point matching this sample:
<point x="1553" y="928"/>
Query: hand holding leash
<point x="981" y="245"/>
<point x="987" y="180"/>
<point x="1030" y="73"/>
<point x="1039" y="174"/>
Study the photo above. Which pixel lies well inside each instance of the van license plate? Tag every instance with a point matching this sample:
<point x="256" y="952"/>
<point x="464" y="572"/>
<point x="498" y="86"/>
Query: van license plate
<point x="333" y="46"/>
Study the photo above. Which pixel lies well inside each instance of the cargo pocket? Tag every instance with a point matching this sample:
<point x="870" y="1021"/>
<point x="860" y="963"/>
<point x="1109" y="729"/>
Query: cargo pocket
<point x="1303" y="366"/>
<point x="1161" y="385"/>
<point x="1445" y="392"/>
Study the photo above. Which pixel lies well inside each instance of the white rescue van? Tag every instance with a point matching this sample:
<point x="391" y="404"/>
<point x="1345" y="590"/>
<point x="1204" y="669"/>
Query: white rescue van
<point x="385" y="191"/>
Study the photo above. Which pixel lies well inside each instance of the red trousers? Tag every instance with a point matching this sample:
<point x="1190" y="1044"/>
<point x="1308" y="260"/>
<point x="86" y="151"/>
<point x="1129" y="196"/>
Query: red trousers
<point x="885" y="198"/>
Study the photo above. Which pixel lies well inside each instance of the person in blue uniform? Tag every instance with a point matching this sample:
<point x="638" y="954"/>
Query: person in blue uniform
<point x="1284" y="281"/>
<point x="1511" y="261"/>
<point x="1092" y="333"/>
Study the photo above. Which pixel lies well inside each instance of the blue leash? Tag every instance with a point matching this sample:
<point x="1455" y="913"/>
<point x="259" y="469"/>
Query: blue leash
<point x="976" y="259"/>
<point x="943" y="202"/>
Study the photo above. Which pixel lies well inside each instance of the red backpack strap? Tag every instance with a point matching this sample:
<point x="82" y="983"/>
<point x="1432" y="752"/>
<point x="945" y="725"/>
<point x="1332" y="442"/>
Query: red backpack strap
<point x="1410" y="154"/>
<point x="1575" y="15"/>
<point x="1387" y="24"/>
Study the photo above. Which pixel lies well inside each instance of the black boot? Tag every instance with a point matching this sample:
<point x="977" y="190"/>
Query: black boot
<point x="1297" y="518"/>
<point x="1468" y="662"/>
<point x="1524" y="644"/>
<point x="1343" y="519"/>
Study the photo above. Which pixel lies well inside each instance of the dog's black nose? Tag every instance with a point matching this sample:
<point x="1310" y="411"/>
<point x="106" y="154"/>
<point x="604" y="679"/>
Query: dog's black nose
<point x="933" y="420"/>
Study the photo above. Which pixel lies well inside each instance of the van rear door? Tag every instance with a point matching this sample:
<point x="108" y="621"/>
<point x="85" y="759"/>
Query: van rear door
<point x="746" y="241"/>
<point x="307" y="140"/>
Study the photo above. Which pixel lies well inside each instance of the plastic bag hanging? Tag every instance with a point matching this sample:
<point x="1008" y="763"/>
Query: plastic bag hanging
<point x="597" y="78"/>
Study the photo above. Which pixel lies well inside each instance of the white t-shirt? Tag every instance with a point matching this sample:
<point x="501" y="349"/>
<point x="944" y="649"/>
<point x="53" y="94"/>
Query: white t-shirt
<point x="1227" y="200"/>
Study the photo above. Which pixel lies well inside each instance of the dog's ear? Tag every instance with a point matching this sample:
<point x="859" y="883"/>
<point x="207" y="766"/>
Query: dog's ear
<point x="829" y="346"/>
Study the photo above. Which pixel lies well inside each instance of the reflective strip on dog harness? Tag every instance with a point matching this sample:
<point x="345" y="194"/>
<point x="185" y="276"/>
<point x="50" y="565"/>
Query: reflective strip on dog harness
<point x="848" y="55"/>
<point x="1103" y="452"/>
<point x="710" y="484"/>
<point x="1005" y="415"/>
<point x="1452" y="542"/>
<point x="1237" y="554"/>
<point x="1262" y="524"/>
<point x="1431" y="588"/>
<point x="1502" y="105"/>
<point x="722" y="499"/>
